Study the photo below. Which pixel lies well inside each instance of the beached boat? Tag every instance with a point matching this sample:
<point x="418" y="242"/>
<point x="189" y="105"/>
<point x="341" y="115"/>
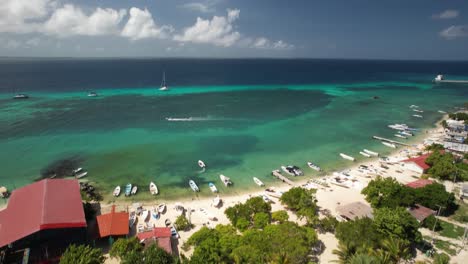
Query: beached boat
<point x="134" y="190"/>
<point x="179" y="209"/>
<point x="155" y="213"/>
<point x="344" y="156"/>
<point x="132" y="219"/>
<point x="164" y="86"/>
<point x="216" y="201"/>
<point x="365" y="154"/>
<point x="213" y="187"/>
<point x="128" y="189"/>
<point x="167" y="222"/>
<point x="265" y="198"/>
<point x="116" y="191"/>
<point x="194" y="186"/>
<point x="400" y="136"/>
<point x="418" y="116"/>
<point x="161" y="208"/>
<point x="174" y="232"/>
<point x="258" y="182"/>
<point x="144" y="215"/>
<point x="313" y="166"/>
<point x="283" y="168"/>
<point x="153" y="188"/>
<point x="371" y="152"/>
<point x="275" y="194"/>
<point x="21" y="96"/>
<point x="81" y="175"/>
<point x="391" y="145"/>
<point x="201" y="164"/>
<point x="226" y="180"/>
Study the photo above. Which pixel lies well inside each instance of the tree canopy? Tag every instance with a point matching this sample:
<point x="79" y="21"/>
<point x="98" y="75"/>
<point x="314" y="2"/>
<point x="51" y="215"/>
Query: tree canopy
<point x="124" y="246"/>
<point x="82" y="254"/>
<point x="359" y="233"/>
<point x="302" y="202"/>
<point x="242" y="216"/>
<point x="387" y="192"/>
<point x="442" y="165"/>
<point x="397" y="222"/>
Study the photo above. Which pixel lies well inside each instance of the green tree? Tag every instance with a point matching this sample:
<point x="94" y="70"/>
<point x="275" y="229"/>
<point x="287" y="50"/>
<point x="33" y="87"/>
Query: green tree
<point x="344" y="252"/>
<point x="157" y="255"/>
<point x="387" y="192"/>
<point x="82" y="255"/>
<point x="434" y="195"/>
<point x="242" y="215"/>
<point x="441" y="258"/>
<point x="363" y="259"/>
<point x="132" y="257"/>
<point x="280" y="216"/>
<point x="123" y="246"/>
<point x="431" y="223"/>
<point x="247" y="254"/>
<point x="261" y="220"/>
<point x="301" y="201"/>
<point x="359" y="233"/>
<point x="397" y="222"/>
<point x="435" y="147"/>
<point x="327" y="224"/>
<point x="182" y="223"/>
<point x="397" y="249"/>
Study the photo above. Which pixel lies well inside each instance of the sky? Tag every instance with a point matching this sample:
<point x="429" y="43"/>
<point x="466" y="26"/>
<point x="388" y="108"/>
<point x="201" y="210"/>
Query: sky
<point x="364" y="29"/>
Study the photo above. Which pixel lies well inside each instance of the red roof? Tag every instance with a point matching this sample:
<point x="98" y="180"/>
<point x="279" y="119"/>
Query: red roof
<point x="160" y="234"/>
<point x="420" y="212"/>
<point x="46" y="204"/>
<point x="419" y="183"/>
<point x="113" y="223"/>
<point x="420" y="161"/>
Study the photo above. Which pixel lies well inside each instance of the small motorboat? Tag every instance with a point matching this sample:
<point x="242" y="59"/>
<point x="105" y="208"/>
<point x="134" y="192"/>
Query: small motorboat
<point x="216" y="201"/>
<point x="313" y="166"/>
<point x="417" y="110"/>
<point x="155" y="213"/>
<point x="442" y="112"/>
<point x="344" y="156"/>
<point x="258" y="182"/>
<point x="292" y="170"/>
<point x="134" y="190"/>
<point x="116" y="191"/>
<point x="153" y="188"/>
<point x="161" y="208"/>
<point x="194" y="186"/>
<point x="128" y="189"/>
<point x="371" y="152"/>
<point x="226" y="180"/>
<point x="418" y="116"/>
<point x="389" y="144"/>
<point x="174" y="232"/>
<point x="167" y="222"/>
<point x="144" y="215"/>
<point x="81" y="175"/>
<point x="132" y="219"/>
<point x="400" y="136"/>
<point x="92" y="94"/>
<point x="21" y="96"/>
<point x="265" y="198"/>
<point x="75" y="171"/>
<point x="213" y="187"/>
<point x="367" y="155"/>
<point x="201" y="164"/>
<point x="179" y="209"/>
<point x="406" y="133"/>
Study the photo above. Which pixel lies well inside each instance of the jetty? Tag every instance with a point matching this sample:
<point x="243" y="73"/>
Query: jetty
<point x="440" y="79"/>
<point x="278" y="175"/>
<point x="390" y="141"/>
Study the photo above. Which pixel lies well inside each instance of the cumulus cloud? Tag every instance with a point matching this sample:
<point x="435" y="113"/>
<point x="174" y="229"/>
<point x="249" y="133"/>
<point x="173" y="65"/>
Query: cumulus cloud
<point x="207" y="6"/>
<point x="264" y="43"/>
<point x="453" y="32"/>
<point x="70" y="20"/>
<point x="141" y="25"/>
<point x="16" y="15"/>
<point x="447" y="14"/>
<point x="218" y="31"/>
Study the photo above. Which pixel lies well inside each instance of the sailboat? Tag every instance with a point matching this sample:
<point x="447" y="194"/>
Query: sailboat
<point x="163" y="83"/>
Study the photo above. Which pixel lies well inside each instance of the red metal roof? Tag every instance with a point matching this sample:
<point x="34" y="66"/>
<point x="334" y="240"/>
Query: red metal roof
<point x="419" y="183"/>
<point x="420" y="161"/>
<point x="46" y="204"/>
<point x="420" y="212"/>
<point x="160" y="234"/>
<point x="113" y="223"/>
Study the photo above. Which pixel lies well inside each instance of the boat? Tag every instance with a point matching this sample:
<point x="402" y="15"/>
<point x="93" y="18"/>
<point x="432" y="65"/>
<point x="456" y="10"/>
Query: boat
<point x="344" y="156"/>
<point x="179" y="119"/>
<point x="287" y="171"/>
<point x="371" y="152"/>
<point x="216" y="201"/>
<point x="414" y="106"/>
<point x="418" y="116"/>
<point x="128" y="189"/>
<point x="365" y="154"/>
<point x="417" y="110"/>
<point x="258" y="182"/>
<point x="161" y="208"/>
<point x="134" y="190"/>
<point x="201" y="164"/>
<point x="75" y="171"/>
<point x="391" y="145"/>
<point x="21" y="96"/>
<point x="442" y="112"/>
<point x="265" y="198"/>
<point x="92" y="94"/>
<point x="153" y="188"/>
<point x="164" y="86"/>
<point x="81" y="175"/>
<point x="116" y="191"/>
<point x="155" y="213"/>
<point x="399" y="126"/>
<point x="194" y="186"/>
<point x="313" y="166"/>
<point x="132" y="219"/>
<point x="400" y="136"/>
<point x="226" y="180"/>
<point x="174" y="232"/>
<point x="406" y="133"/>
<point x="439" y="78"/>
<point x="179" y="209"/>
<point x="213" y="187"/>
<point x="167" y="222"/>
<point x="144" y="215"/>
<point x="292" y="170"/>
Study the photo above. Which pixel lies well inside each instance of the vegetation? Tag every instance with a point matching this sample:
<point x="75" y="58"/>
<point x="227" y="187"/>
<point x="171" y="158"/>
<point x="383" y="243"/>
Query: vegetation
<point x="327" y="224"/>
<point x="450" y="230"/>
<point x="280" y="216"/>
<point x="359" y="234"/>
<point x="182" y="223"/>
<point x="435" y="147"/>
<point x="441" y="259"/>
<point x="302" y="202"/>
<point x="82" y="254"/>
<point x="124" y="246"/>
<point x="130" y="251"/>
<point x="435" y="195"/>
<point x="397" y="222"/>
<point x="442" y="165"/>
<point x="432" y="223"/>
<point x="242" y="215"/>
<point x="461" y="214"/>
<point x="459" y="116"/>
<point x="388" y="192"/>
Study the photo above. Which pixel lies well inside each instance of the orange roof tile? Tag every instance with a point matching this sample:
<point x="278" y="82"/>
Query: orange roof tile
<point x="113" y="223"/>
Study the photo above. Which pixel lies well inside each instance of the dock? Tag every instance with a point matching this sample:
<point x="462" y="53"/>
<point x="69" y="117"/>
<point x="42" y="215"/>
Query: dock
<point x="278" y="175"/>
<point x="453" y="81"/>
<point x="391" y="141"/>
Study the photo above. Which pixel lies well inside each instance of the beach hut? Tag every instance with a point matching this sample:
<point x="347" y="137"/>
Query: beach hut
<point x="417" y="164"/>
<point x="420" y="212"/>
<point x="161" y="236"/>
<point x="113" y="224"/>
<point x="354" y="210"/>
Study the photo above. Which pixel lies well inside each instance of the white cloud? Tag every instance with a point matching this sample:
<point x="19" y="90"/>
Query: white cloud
<point x="141" y="25"/>
<point x="70" y="20"/>
<point x="453" y="32"/>
<point x="207" y="6"/>
<point x="218" y="31"/>
<point x="16" y="15"/>
<point x="264" y="43"/>
<point x="447" y="14"/>
<point x="33" y="42"/>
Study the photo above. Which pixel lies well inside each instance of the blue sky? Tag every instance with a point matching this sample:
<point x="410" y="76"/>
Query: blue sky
<point x="397" y="29"/>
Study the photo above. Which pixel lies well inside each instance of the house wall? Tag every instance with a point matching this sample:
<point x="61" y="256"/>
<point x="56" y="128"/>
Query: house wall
<point x="413" y="167"/>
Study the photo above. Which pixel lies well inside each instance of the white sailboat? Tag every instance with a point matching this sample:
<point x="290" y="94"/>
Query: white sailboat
<point x="153" y="188"/>
<point x="163" y="83"/>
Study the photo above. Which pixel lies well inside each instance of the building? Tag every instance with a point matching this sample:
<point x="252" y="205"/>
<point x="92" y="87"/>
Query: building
<point x="419" y="183"/>
<point x="417" y="164"/>
<point x="159" y="235"/>
<point x="113" y="224"/>
<point x="354" y="210"/>
<point x="45" y="217"/>
<point x="420" y="212"/>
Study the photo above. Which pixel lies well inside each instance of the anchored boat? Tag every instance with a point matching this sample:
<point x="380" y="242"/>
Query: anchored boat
<point x="344" y="156"/>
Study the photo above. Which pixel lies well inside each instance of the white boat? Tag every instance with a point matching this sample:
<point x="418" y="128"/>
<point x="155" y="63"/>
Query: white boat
<point x="344" y="156"/>
<point x="265" y="198"/>
<point x="77" y="170"/>
<point x="161" y="208"/>
<point x="365" y="154"/>
<point x="406" y="133"/>
<point x="371" y="152"/>
<point x="194" y="186"/>
<point x="155" y="213"/>
<point x="92" y="94"/>
<point x="178" y="118"/>
<point x="174" y="232"/>
<point x="313" y="166"/>
<point x="134" y="190"/>
<point x="287" y="171"/>
<point x="439" y="78"/>
<point x="400" y="136"/>
<point x="81" y="175"/>
<point x="144" y="215"/>
<point x="213" y="187"/>
<point x="216" y="201"/>
<point x="442" y="112"/>
<point x="417" y="110"/>
<point x="21" y="96"/>
<point x="391" y="145"/>
<point x="258" y="182"/>
<point x="128" y="189"/>
<point x="399" y="126"/>
<point x="116" y="191"/>
<point x="418" y="116"/>
<point x="414" y="106"/>
<point x="153" y="188"/>
<point x="226" y="180"/>
<point x="132" y="219"/>
<point x="179" y="209"/>
<point x="201" y="164"/>
<point x="164" y="86"/>
<point x="292" y="170"/>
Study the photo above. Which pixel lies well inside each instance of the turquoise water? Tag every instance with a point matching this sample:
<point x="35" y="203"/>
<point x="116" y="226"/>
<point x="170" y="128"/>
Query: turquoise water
<point x="240" y="131"/>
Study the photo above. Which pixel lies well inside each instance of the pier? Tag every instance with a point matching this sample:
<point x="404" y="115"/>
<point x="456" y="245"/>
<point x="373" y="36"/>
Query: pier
<point x="452" y="81"/>
<point x="278" y="175"/>
<point x="391" y="141"/>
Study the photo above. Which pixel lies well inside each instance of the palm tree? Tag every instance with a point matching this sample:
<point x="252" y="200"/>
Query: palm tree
<point x="344" y="252"/>
<point x="363" y="259"/>
<point x="397" y="249"/>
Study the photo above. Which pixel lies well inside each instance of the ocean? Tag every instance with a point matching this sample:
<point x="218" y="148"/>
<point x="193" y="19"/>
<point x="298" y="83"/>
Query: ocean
<point x="242" y="117"/>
